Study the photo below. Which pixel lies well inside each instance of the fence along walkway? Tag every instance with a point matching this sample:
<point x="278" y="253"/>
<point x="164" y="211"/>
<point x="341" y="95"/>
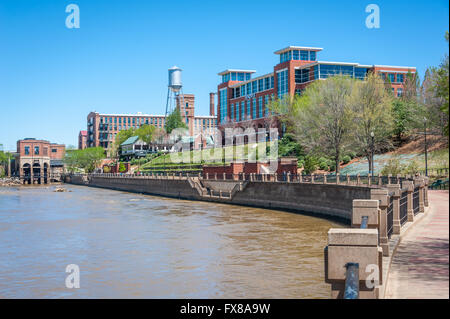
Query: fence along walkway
<point x="420" y="265"/>
<point x="388" y="210"/>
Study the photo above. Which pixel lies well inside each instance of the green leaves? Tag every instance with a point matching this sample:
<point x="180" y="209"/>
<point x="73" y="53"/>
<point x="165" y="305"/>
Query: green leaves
<point x="174" y="120"/>
<point x="87" y="159"/>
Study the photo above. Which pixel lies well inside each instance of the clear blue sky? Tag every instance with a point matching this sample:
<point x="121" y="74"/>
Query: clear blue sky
<point x="51" y="77"/>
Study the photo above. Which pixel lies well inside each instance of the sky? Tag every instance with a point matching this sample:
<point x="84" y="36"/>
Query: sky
<point x="51" y="76"/>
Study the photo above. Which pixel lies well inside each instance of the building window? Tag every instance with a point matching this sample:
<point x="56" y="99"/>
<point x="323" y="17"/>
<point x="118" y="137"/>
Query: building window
<point x="312" y="55"/>
<point x="254" y="83"/>
<point x="399" y="92"/>
<point x="36" y="150"/>
<point x="296" y="55"/>
<point x="304" y="55"/>
<point x="272" y="82"/>
<point x="327" y="70"/>
<point x="391" y="77"/>
<point x="301" y="75"/>
<point x="260" y="85"/>
<point x="400" y="78"/>
<point x="266" y="105"/>
<point x="232" y="112"/>
<point x="54" y="150"/>
<point x="260" y="102"/>
<point x="243" y="111"/>
<point x="27" y="150"/>
<point x="254" y="108"/>
<point x="223" y="105"/>
<point x="282" y="83"/>
<point x="237" y="111"/>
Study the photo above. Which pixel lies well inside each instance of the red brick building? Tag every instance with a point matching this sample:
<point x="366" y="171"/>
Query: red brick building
<point x="103" y="128"/>
<point x="82" y="140"/>
<point x="243" y="100"/>
<point x="39" y="161"/>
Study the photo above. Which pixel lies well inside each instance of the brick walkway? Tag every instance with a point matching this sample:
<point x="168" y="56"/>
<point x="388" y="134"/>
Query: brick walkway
<point x="420" y="266"/>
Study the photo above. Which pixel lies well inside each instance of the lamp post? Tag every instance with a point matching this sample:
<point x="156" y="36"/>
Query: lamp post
<point x="371" y="168"/>
<point x="426" y="151"/>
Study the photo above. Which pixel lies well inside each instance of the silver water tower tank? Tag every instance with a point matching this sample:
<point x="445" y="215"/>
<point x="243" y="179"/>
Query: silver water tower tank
<point x="175" y="79"/>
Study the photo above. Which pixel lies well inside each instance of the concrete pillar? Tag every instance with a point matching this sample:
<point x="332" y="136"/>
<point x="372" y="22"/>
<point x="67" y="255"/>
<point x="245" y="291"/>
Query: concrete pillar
<point x="365" y="207"/>
<point x="275" y="177"/>
<point x="425" y="190"/>
<point x="389" y="179"/>
<point x="358" y="179"/>
<point x="312" y="178"/>
<point x="369" y="179"/>
<point x="207" y="175"/>
<point x="380" y="180"/>
<point x="409" y="185"/>
<point x="382" y="196"/>
<point x="348" y="179"/>
<point x="338" y="178"/>
<point x="215" y="176"/>
<point x="395" y="188"/>
<point x="224" y="176"/>
<point x="300" y="178"/>
<point x="347" y="245"/>
<point x="289" y="177"/>
<point x="420" y="182"/>
<point x="324" y="178"/>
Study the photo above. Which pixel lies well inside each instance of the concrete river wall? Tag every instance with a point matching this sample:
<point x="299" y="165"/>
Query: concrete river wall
<point x="318" y="199"/>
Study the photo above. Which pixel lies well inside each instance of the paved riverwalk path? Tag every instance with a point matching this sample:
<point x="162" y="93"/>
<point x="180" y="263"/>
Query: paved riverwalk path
<point x="420" y="266"/>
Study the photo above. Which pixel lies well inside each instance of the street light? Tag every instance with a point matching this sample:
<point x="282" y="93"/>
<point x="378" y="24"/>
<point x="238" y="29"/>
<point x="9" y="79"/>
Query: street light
<point x="371" y="168"/>
<point x="426" y="151"/>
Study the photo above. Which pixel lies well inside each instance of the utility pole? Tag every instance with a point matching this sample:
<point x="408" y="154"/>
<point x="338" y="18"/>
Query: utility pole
<point x="371" y="168"/>
<point x="426" y="151"/>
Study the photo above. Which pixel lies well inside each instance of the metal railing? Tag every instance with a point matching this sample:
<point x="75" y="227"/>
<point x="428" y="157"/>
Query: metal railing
<point x="390" y="215"/>
<point x="416" y="200"/>
<point x="403" y="207"/>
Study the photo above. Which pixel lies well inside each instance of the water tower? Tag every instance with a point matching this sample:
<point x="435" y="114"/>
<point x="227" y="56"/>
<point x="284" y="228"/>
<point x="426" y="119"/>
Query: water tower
<point x="175" y="91"/>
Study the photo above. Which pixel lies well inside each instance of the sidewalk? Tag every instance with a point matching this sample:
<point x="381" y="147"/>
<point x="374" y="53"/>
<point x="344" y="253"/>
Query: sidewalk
<point x="419" y="267"/>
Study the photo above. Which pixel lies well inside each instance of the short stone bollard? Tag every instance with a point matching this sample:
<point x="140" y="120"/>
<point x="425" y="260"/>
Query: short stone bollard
<point x="351" y="245"/>
<point x="382" y="196"/>
<point x="409" y="185"/>
<point x="365" y="207"/>
<point x="395" y="189"/>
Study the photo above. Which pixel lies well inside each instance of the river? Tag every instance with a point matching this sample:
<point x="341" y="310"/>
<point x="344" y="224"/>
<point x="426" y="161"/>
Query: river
<point x="138" y="246"/>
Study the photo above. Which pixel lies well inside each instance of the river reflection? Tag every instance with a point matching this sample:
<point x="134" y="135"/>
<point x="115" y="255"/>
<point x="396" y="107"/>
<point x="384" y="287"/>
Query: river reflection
<point x="138" y="246"/>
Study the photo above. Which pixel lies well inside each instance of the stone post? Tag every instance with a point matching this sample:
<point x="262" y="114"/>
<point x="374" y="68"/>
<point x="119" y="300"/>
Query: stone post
<point x="409" y="185"/>
<point x="312" y="178"/>
<point x="396" y="224"/>
<point x="420" y="182"/>
<point x="365" y="207"/>
<point x="348" y="179"/>
<point x="300" y="178"/>
<point x="369" y="179"/>
<point x="215" y="176"/>
<point x="380" y="180"/>
<point x="224" y="176"/>
<point x="347" y="245"/>
<point x="358" y="179"/>
<point x="389" y="179"/>
<point x="382" y="196"/>
<point x="275" y="177"/>
<point x="338" y="178"/>
<point x="425" y="191"/>
<point x="324" y="178"/>
<point x="207" y="176"/>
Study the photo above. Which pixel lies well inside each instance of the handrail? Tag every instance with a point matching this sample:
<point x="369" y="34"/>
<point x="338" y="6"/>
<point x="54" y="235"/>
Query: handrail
<point x="352" y="281"/>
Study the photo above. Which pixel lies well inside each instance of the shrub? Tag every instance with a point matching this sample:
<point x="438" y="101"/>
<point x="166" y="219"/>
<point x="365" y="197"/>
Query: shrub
<point x="351" y="154"/>
<point x="393" y="166"/>
<point x="346" y="159"/>
<point x="412" y="168"/>
<point x="106" y="169"/>
<point x="122" y="168"/>
<point x="310" y="164"/>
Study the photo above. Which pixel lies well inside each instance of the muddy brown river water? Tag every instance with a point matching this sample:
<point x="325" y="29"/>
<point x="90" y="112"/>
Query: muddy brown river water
<point x="138" y="246"/>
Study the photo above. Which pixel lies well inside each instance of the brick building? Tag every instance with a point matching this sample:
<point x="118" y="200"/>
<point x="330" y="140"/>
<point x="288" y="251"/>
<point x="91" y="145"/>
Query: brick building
<point x="39" y="161"/>
<point x="243" y="100"/>
<point x="82" y="140"/>
<point x="103" y="128"/>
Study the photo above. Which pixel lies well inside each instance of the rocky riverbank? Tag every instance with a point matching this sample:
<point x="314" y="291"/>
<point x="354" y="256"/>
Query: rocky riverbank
<point x="10" y="181"/>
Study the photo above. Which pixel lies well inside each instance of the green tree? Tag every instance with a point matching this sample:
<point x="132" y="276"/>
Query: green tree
<point x="320" y="117"/>
<point x="145" y="133"/>
<point x="174" y="120"/>
<point x="87" y="159"/>
<point x="370" y="114"/>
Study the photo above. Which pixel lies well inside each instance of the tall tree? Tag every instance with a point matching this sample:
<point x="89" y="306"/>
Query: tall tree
<point x="371" y="114"/>
<point x="319" y="119"/>
<point x="174" y="120"/>
<point x="145" y="133"/>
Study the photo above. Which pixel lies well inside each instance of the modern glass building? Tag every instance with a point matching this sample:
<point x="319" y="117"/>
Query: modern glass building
<point x="243" y="98"/>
